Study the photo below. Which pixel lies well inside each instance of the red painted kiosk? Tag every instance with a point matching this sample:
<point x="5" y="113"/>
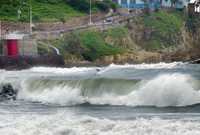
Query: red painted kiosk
<point x="12" y="47"/>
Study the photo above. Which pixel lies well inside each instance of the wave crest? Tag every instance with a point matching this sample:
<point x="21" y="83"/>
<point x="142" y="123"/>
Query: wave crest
<point x="164" y="90"/>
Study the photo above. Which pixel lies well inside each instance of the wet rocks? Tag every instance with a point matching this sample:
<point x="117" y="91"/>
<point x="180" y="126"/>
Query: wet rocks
<point x="8" y="93"/>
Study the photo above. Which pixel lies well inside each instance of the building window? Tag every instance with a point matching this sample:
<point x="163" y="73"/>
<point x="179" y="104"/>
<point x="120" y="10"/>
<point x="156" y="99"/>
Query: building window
<point x="124" y="1"/>
<point x="132" y="1"/>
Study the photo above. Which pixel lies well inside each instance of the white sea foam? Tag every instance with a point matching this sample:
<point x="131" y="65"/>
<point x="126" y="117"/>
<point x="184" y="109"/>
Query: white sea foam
<point x="69" y="124"/>
<point x="163" y="90"/>
<point x="61" y="70"/>
<point x="110" y="67"/>
<point x="59" y="94"/>
<point x="148" y="66"/>
<point x="142" y="66"/>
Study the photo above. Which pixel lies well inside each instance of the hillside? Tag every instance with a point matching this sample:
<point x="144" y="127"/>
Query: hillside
<point x="164" y="35"/>
<point x="50" y="10"/>
<point x="159" y="36"/>
<point x="42" y="11"/>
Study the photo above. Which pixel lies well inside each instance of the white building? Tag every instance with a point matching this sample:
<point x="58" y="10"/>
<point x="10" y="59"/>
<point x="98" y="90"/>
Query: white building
<point x="196" y="4"/>
<point x="135" y="4"/>
<point x="180" y="4"/>
<point x="138" y="4"/>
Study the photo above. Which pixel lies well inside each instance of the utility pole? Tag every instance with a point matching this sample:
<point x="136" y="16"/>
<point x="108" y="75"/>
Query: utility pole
<point x="19" y="12"/>
<point x="128" y="2"/>
<point x="90" y="23"/>
<point x="31" y="21"/>
<point x="0" y="31"/>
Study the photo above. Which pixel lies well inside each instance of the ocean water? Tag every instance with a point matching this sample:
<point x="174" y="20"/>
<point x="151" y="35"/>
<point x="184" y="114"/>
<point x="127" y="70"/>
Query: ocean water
<point x="144" y="99"/>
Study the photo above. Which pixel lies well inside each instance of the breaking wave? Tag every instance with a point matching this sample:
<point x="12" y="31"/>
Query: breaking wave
<point x="103" y="69"/>
<point x="112" y="85"/>
<point x="163" y="90"/>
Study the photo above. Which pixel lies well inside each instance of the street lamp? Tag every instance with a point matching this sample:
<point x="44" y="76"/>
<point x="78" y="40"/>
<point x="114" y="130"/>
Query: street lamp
<point x="90" y="23"/>
<point x="19" y="12"/>
<point x="31" y="22"/>
<point x="0" y="31"/>
<point x="128" y="2"/>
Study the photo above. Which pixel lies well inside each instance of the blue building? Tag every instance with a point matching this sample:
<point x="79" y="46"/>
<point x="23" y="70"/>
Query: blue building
<point x="153" y="4"/>
<point x="179" y="4"/>
<point x="139" y="4"/>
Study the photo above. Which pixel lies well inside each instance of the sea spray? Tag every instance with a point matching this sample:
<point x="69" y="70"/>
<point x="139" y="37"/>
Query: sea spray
<point x="60" y="94"/>
<point x="163" y="90"/>
<point x="162" y="84"/>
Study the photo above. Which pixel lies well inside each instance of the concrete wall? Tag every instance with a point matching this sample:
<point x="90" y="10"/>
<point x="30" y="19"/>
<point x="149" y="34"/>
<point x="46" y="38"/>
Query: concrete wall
<point x="28" y="47"/>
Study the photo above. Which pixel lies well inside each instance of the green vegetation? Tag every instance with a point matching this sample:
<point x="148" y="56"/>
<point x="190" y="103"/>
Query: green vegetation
<point x="119" y="37"/>
<point x="84" y="5"/>
<point x="49" y="10"/>
<point x="8" y="9"/>
<point x="96" y="45"/>
<point x="42" y="11"/>
<point x="165" y="27"/>
<point x="193" y="23"/>
<point x="53" y="12"/>
<point x="88" y="45"/>
<point x="117" y="33"/>
<point x="105" y="5"/>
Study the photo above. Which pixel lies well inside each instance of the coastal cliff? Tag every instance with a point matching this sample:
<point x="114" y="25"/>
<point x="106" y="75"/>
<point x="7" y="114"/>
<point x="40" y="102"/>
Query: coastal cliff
<point x="160" y="36"/>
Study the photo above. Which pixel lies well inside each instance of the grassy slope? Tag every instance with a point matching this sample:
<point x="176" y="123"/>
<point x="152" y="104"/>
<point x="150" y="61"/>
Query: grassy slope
<point x="91" y="44"/>
<point x="42" y="12"/>
<point x="54" y="12"/>
<point x="96" y="45"/>
<point x="88" y="45"/>
<point x="166" y="28"/>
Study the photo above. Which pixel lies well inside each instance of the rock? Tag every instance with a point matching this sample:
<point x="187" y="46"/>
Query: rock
<point x="8" y="93"/>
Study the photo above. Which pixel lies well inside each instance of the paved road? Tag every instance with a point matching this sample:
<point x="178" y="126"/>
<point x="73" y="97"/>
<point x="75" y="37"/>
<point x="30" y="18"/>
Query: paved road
<point x="100" y="24"/>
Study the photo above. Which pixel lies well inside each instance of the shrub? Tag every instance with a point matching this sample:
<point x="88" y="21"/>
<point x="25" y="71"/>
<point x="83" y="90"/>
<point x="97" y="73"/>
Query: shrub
<point x="192" y="23"/>
<point x="105" y="5"/>
<point x="36" y="18"/>
<point x="81" y="5"/>
<point x="49" y="1"/>
<point x="165" y="28"/>
<point x="96" y="46"/>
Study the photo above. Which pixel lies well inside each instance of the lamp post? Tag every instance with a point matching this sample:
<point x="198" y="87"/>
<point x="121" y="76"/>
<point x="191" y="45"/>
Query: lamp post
<point x="19" y="12"/>
<point x="128" y="2"/>
<point x="31" y="22"/>
<point x="90" y="23"/>
<point x="0" y="31"/>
